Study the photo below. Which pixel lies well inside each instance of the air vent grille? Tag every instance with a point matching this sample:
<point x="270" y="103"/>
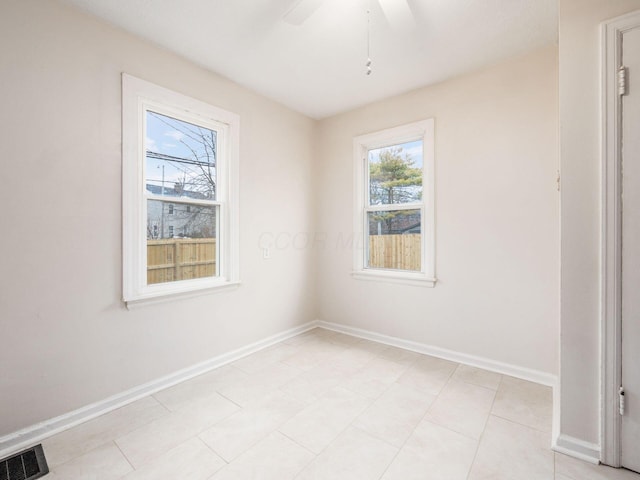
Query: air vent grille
<point x="26" y="465"/>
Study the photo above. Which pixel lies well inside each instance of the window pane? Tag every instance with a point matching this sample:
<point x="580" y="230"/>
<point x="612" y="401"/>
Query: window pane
<point x="183" y="245"/>
<point x="394" y="240"/>
<point x="395" y="174"/>
<point x="180" y="158"/>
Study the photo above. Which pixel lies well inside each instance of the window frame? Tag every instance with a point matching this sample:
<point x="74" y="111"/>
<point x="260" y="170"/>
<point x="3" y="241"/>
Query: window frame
<point x="139" y="96"/>
<point x="421" y="130"/>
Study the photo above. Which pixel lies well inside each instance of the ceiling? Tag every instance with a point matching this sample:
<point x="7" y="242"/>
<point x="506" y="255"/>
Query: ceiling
<point x="311" y="55"/>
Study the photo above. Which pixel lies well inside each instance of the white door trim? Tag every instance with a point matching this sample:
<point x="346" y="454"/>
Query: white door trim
<point x="611" y="254"/>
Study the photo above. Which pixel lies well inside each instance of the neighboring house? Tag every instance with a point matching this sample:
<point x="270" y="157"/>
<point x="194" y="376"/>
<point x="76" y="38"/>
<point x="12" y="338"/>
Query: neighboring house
<point x="172" y="218"/>
<point x="394" y="224"/>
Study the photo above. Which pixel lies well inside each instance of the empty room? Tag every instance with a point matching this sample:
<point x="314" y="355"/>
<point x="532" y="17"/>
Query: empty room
<point x="320" y="239"/>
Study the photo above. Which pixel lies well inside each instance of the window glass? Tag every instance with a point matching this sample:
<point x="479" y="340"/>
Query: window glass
<point x="180" y="158"/>
<point x="395" y="174"/>
<point x="394" y="240"/>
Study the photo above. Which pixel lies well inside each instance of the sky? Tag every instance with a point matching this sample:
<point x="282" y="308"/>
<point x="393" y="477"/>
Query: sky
<point x="414" y="149"/>
<point x="169" y="136"/>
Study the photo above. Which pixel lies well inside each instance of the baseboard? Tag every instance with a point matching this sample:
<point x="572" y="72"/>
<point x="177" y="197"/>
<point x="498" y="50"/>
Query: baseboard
<point x="531" y="375"/>
<point x="574" y="447"/>
<point x="26" y="437"/>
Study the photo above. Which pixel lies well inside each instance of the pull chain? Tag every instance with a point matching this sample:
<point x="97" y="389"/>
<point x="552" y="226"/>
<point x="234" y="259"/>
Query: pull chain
<point x="368" y="64"/>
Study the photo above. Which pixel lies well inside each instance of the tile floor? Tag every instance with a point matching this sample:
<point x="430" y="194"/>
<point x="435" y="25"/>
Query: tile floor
<point x="324" y="405"/>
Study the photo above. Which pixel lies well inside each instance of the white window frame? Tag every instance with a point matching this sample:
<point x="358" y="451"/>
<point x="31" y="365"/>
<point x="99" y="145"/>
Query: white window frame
<point x="138" y="96"/>
<point x="422" y="130"/>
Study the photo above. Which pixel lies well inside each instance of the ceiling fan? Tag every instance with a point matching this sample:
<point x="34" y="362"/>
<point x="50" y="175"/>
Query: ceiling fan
<point x="397" y="12"/>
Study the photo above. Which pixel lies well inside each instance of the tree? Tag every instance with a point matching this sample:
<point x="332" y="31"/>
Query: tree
<point x="198" y="171"/>
<point x="393" y="179"/>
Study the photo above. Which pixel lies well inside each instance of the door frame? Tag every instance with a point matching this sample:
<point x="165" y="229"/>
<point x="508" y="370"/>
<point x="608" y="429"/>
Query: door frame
<point x="611" y="228"/>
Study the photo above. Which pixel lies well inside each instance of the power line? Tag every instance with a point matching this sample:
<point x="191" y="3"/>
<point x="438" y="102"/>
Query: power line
<point x="171" y="158"/>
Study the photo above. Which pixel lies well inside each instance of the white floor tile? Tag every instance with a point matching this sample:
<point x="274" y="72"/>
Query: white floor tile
<point x="274" y="458"/>
<point x="428" y="374"/>
<point x="575" y="469"/>
<point x="509" y="450"/>
<point x="104" y="463"/>
<point x="101" y="430"/>
<point x="202" y="386"/>
<point x="316" y="352"/>
<point x="375" y="377"/>
<point x="463" y="408"/>
<point x="395" y="414"/>
<point x="477" y="376"/>
<point x="312" y="384"/>
<point x="260" y="360"/>
<point x="305" y="337"/>
<point x="354" y="455"/>
<point x="260" y="384"/>
<point x="399" y="355"/>
<point x="324" y="405"/>
<point x="351" y="359"/>
<point x="342" y="339"/>
<point x="434" y="453"/>
<point x="373" y="347"/>
<point x="237" y="433"/>
<point x="524" y="402"/>
<point x="321" y="422"/>
<point x="191" y="460"/>
<point x="160" y="436"/>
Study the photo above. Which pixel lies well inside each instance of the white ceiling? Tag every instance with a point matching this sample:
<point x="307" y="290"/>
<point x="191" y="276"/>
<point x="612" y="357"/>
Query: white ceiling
<point x="318" y="67"/>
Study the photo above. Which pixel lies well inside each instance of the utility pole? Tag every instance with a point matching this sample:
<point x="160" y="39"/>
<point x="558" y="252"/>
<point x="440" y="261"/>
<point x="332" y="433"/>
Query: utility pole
<point x="162" y="204"/>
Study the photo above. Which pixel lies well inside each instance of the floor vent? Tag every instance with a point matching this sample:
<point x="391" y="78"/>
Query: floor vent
<point x="26" y="465"/>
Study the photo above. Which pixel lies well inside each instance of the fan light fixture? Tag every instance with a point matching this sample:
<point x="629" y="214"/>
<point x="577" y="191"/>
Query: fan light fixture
<point x="368" y="64"/>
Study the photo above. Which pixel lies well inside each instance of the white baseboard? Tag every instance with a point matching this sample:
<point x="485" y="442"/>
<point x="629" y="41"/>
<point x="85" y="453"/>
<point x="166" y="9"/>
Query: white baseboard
<point x="559" y="443"/>
<point x="536" y="376"/>
<point x="16" y="441"/>
<point x="574" y="447"/>
<point x="26" y="437"/>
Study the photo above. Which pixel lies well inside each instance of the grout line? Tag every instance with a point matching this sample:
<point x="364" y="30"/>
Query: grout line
<point x="475" y="456"/>
<point x="227" y="398"/>
<point x="211" y="449"/>
<point x="160" y="401"/>
<point x="546" y="432"/>
<point x="298" y="443"/>
<point x="133" y="469"/>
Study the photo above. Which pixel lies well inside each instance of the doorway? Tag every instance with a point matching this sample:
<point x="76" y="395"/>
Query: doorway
<point x="621" y="243"/>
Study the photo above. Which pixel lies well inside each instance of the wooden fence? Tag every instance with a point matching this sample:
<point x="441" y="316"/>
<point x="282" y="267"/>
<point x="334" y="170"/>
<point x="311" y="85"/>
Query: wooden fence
<point x="398" y="252"/>
<point x="175" y="259"/>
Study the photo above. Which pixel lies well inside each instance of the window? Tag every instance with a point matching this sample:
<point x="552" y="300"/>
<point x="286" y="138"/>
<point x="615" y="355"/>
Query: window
<point x="180" y="159"/>
<point x="394" y="205"/>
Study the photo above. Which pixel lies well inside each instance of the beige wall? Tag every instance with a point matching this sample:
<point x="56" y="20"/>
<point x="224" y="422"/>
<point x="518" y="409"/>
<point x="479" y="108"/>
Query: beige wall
<point x="67" y="339"/>
<point x="580" y="213"/>
<point x="497" y="217"/>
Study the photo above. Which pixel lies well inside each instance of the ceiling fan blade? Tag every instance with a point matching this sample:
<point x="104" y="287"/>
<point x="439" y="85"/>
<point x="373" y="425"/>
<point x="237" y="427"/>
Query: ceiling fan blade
<point x="398" y="13"/>
<point x="300" y="11"/>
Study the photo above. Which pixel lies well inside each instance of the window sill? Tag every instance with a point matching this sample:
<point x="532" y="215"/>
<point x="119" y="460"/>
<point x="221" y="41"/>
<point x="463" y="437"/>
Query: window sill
<point x="395" y="277"/>
<point x="178" y="294"/>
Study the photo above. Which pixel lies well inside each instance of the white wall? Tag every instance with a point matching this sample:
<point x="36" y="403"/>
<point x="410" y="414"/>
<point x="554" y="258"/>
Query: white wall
<point x="497" y="217"/>
<point x="580" y="213"/>
<point x="67" y="339"/>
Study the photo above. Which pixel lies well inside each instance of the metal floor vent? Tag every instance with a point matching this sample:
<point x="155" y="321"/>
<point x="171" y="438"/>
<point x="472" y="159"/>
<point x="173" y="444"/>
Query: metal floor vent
<point x="26" y="465"/>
